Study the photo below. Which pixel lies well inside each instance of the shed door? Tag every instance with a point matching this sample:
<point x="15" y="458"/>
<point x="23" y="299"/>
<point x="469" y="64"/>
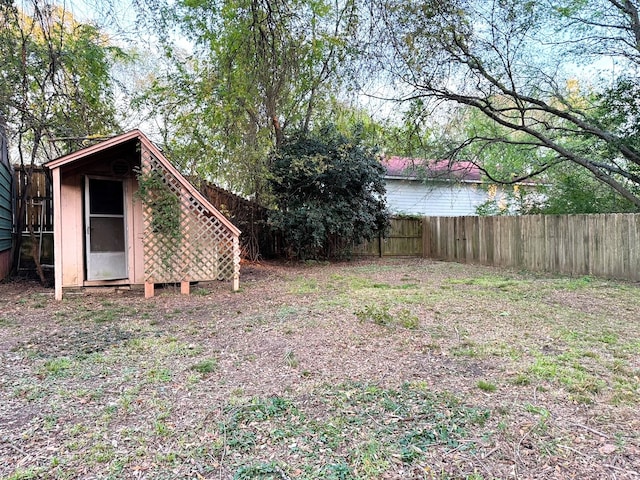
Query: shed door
<point x="106" y="240"/>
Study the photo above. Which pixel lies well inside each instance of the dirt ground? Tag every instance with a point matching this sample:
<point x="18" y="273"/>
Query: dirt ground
<point x="385" y="368"/>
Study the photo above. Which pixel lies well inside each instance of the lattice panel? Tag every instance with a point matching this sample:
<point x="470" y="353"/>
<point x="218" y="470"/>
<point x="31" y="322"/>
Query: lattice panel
<point x="206" y="248"/>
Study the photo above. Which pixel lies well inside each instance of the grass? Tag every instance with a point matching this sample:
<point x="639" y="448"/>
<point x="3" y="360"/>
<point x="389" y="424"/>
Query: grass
<point x="383" y="315"/>
<point x="260" y="426"/>
<point x="384" y="369"/>
<point x="486" y="386"/>
<point x="209" y="365"/>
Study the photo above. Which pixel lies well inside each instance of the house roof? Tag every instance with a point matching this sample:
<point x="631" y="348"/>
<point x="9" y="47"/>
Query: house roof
<point x="142" y="138"/>
<point x="406" y="168"/>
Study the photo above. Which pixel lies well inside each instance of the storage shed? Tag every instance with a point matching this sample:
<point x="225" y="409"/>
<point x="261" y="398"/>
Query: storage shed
<point x="123" y="215"/>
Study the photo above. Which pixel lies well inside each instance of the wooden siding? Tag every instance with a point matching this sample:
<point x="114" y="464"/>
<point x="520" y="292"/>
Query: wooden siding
<point x="6" y="215"/>
<point x="6" y="207"/>
<point x="606" y="245"/>
<point x="6" y="220"/>
<point x="413" y="197"/>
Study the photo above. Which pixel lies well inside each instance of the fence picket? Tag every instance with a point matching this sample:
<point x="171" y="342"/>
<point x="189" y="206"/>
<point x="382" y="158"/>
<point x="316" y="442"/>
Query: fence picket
<point x="606" y="245"/>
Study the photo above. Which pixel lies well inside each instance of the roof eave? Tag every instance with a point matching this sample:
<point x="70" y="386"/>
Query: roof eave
<point x="98" y="147"/>
<point x="137" y="134"/>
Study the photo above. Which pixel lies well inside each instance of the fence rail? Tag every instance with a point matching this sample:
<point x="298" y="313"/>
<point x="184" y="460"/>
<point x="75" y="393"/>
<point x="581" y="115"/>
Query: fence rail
<point x="606" y="245"/>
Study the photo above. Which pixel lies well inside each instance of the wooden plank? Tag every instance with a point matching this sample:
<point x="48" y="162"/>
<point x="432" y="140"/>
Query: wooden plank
<point x="6" y="219"/>
<point x="149" y="289"/>
<point x="602" y="245"/>
<point x="634" y="247"/>
<point x="57" y="235"/>
<point x="426" y="238"/>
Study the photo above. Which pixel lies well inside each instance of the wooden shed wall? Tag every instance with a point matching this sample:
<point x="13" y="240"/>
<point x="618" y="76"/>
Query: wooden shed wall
<point x="73" y="235"/>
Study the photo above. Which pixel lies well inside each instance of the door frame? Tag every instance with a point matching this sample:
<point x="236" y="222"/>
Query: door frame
<point x="87" y="224"/>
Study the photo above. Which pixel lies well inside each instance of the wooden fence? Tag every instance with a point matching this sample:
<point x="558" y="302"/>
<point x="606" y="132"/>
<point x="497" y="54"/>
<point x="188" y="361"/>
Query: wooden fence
<point x="256" y="240"/>
<point x="606" y="245"/>
<point x="404" y="238"/>
<point x="34" y="213"/>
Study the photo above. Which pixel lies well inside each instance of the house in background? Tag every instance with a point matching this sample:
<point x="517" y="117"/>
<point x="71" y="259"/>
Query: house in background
<point x="107" y="233"/>
<point x="439" y="188"/>
<point x="6" y="206"/>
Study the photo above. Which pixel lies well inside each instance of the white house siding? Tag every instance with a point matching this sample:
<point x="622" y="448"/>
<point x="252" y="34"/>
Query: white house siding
<point x="450" y="199"/>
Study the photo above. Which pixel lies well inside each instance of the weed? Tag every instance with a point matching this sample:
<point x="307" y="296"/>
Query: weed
<point x="541" y="411"/>
<point x="487" y="281"/>
<point x="170" y="457"/>
<point x="486" y="386"/>
<point x="609" y="338"/>
<point x="57" y="367"/>
<point x="290" y="359"/>
<point x="106" y="315"/>
<point x="304" y="286"/>
<point x="407" y="319"/>
<point x="50" y="422"/>
<point x="102" y="452"/>
<point x="241" y="440"/>
<point x="267" y="471"/>
<point x="338" y="471"/>
<point x="465" y="349"/>
<point x="379" y="315"/>
<point x="209" y="365"/>
<point x="382" y="315"/>
<point x="161" y="428"/>
<point x="371" y="459"/>
<point x="521" y="379"/>
<point x="27" y="474"/>
<point x="285" y="312"/>
<point x="567" y="370"/>
<point x="578" y="283"/>
<point x="160" y="375"/>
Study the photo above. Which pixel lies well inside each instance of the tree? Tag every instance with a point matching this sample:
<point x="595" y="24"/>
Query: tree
<point x="507" y="59"/>
<point x="56" y="86"/>
<point x="259" y="69"/>
<point x="329" y="192"/>
<point x="57" y="82"/>
<point x="563" y="188"/>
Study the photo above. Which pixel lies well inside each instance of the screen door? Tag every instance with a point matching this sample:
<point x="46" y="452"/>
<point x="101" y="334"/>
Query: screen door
<point x="105" y="229"/>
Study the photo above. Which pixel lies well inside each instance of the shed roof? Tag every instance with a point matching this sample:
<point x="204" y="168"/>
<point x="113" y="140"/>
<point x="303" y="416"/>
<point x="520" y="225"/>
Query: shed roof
<point x="137" y="135"/>
<point x="416" y="168"/>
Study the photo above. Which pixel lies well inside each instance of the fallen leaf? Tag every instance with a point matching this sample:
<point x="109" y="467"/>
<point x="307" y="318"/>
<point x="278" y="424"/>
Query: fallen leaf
<point x="607" y="449"/>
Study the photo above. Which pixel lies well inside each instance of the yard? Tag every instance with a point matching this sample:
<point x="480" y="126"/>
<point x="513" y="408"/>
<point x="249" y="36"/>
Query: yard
<point x="402" y="368"/>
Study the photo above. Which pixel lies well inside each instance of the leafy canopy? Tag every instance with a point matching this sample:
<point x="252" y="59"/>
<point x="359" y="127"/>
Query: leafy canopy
<point x="56" y="79"/>
<point x="329" y="190"/>
<point x="259" y="70"/>
<point x="520" y="64"/>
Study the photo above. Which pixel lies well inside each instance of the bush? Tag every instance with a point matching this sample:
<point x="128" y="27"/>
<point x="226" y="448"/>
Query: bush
<point x="330" y="194"/>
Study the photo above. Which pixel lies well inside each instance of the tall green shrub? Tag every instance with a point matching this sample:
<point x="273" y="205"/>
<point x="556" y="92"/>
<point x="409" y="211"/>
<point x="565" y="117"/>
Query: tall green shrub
<point x="330" y="193"/>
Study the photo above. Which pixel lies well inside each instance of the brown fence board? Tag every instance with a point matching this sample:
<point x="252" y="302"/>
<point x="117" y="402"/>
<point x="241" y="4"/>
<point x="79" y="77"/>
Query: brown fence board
<point x="606" y="245"/>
